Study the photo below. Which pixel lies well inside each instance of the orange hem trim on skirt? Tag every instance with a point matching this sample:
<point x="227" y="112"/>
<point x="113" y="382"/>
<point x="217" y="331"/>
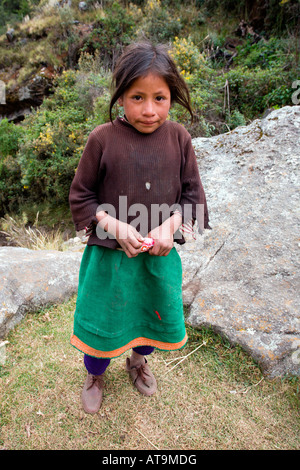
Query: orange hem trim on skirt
<point x="77" y="343"/>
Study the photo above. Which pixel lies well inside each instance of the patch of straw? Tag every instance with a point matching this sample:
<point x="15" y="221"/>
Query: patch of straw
<point x="18" y="233"/>
<point x="183" y="358"/>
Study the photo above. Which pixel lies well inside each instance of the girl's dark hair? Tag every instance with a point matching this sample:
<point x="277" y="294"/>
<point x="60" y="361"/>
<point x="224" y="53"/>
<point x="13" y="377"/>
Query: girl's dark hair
<point x="139" y="59"/>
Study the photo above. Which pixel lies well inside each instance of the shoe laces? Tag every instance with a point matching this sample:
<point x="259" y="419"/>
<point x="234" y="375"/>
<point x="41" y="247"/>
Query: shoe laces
<point x="94" y="379"/>
<point x="142" y="372"/>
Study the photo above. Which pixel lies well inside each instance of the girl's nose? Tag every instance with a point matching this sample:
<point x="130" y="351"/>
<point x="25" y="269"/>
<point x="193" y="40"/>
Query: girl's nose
<point x="148" y="109"/>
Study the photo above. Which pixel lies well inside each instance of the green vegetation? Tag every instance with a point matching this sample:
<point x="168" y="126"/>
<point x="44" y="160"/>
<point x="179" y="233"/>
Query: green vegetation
<point x="15" y="10"/>
<point x="38" y="157"/>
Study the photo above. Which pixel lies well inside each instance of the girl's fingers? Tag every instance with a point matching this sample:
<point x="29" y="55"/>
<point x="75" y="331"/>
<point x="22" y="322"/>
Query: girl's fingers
<point x="131" y="246"/>
<point x="160" y="249"/>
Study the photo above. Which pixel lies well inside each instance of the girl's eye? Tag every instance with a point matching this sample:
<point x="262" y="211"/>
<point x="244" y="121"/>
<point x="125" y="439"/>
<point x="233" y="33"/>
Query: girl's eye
<point x="137" y="97"/>
<point x="160" y="98"/>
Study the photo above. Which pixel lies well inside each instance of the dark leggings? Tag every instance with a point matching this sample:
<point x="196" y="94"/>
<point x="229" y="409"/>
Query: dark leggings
<point x="97" y="366"/>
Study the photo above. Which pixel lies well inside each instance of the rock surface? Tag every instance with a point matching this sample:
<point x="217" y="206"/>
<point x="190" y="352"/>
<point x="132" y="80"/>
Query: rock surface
<point x="242" y="277"/>
<point x="20" y="99"/>
<point x="32" y="279"/>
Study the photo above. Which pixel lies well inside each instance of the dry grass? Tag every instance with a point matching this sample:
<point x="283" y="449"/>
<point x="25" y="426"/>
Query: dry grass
<point x="19" y="233"/>
<point x="214" y="399"/>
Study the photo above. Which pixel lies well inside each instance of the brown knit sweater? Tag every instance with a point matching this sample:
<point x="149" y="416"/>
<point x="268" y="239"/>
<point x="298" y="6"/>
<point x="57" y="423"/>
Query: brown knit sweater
<point x="132" y="175"/>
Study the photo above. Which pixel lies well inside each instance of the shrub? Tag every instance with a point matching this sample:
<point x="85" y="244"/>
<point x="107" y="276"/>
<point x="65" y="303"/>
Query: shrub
<point x="250" y="89"/>
<point x="56" y="134"/>
<point x="113" y="30"/>
<point x="205" y="95"/>
<point x="158" y="23"/>
<point x="263" y="54"/>
<point x="281" y="96"/>
<point x="235" y="119"/>
<point x="11" y="190"/>
<point x="187" y="56"/>
<point x="10" y="137"/>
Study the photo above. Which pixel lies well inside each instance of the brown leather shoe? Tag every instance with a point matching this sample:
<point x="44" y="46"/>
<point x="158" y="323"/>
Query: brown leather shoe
<point x="92" y="393"/>
<point x="142" y="377"/>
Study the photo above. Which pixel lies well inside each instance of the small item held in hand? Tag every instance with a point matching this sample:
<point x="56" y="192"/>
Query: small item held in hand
<point x="147" y="244"/>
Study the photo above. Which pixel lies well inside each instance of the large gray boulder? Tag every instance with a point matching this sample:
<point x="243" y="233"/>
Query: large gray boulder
<point x="31" y="279"/>
<point x="242" y="277"/>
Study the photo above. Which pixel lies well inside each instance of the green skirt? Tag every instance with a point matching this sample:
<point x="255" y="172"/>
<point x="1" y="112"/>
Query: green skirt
<point x="128" y="302"/>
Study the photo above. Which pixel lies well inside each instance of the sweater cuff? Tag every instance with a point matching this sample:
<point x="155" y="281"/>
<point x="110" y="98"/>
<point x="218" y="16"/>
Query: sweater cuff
<point x="87" y="225"/>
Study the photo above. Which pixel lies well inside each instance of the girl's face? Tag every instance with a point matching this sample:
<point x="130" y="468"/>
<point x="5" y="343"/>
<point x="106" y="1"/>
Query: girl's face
<point x="147" y="103"/>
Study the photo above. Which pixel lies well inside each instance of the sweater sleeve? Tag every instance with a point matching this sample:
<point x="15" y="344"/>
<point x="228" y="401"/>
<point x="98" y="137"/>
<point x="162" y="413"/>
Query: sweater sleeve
<point x="83" y="192"/>
<point x="193" y="200"/>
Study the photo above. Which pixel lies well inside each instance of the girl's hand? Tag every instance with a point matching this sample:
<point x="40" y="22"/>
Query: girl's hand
<point x="163" y="236"/>
<point x="129" y="239"/>
<point x="127" y="236"/>
<point x="163" y="242"/>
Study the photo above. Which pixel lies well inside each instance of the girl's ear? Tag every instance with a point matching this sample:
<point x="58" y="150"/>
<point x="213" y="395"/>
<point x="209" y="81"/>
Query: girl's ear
<point x="120" y="101"/>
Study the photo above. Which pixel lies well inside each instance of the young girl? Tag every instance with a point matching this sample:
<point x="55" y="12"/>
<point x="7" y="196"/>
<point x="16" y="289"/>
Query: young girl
<point x="137" y="178"/>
